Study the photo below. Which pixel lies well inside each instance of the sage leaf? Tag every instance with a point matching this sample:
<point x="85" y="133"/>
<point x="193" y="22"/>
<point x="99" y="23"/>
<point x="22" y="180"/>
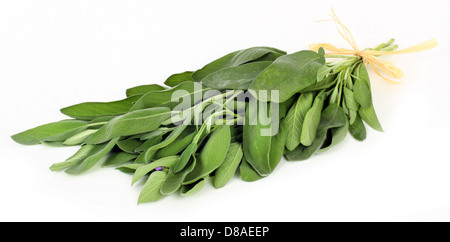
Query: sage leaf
<point x="79" y="138"/>
<point x="370" y="117"/>
<point x="289" y="74"/>
<point x="177" y="146"/>
<point x="235" y="59"/>
<point x="178" y="78"/>
<point x="332" y="117"/>
<point x="118" y="158"/>
<point x="129" y="168"/>
<point x="188" y="190"/>
<point x="136" y="122"/>
<point x="143" y="89"/>
<point x="77" y="157"/>
<point x="141" y="171"/>
<point x="358" y="130"/>
<point x="236" y="77"/>
<point x="58" y="131"/>
<point x="212" y="155"/>
<point x="129" y="145"/>
<point x="185" y="157"/>
<point x="148" y="144"/>
<point x="247" y="172"/>
<point x="188" y="90"/>
<point x="150" y="192"/>
<point x="295" y="118"/>
<point x="312" y="119"/>
<point x="361" y="87"/>
<point x="337" y="135"/>
<point x="229" y="166"/>
<point x="174" y="180"/>
<point x="326" y="83"/>
<point x="149" y="153"/>
<point x="255" y="145"/>
<point x="92" y="110"/>
<point x="93" y="157"/>
<point x="277" y="146"/>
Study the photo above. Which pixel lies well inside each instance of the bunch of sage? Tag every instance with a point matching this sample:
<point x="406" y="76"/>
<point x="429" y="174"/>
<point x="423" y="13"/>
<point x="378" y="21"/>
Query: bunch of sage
<point x="201" y="125"/>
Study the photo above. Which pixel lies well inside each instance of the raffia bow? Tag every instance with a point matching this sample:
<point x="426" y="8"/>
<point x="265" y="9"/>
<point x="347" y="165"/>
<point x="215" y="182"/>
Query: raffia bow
<point x="370" y="57"/>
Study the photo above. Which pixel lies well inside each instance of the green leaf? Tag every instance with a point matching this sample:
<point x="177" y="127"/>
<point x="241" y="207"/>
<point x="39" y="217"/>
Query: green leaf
<point x="79" y="138"/>
<point x="312" y="119"/>
<point x="178" y="78"/>
<point x="148" y="144"/>
<point x="118" y="158"/>
<point x="92" y="110"/>
<point x="129" y="168"/>
<point x="256" y="146"/>
<point x="188" y="190"/>
<point x="212" y="155"/>
<point x="235" y="59"/>
<point x="236" y="77"/>
<point x="82" y="153"/>
<point x="141" y="171"/>
<point x="323" y="72"/>
<point x="58" y="131"/>
<point x="143" y="89"/>
<point x="129" y="145"/>
<point x="357" y="129"/>
<point x="229" y="166"/>
<point x="93" y="157"/>
<point x="185" y="157"/>
<point x="332" y="117"/>
<point x="150" y="192"/>
<point x="150" y="153"/>
<point x="361" y="87"/>
<point x="136" y="122"/>
<point x="181" y="143"/>
<point x="247" y="172"/>
<point x="370" y="117"/>
<point x="329" y="81"/>
<point x="172" y="97"/>
<point x="174" y="180"/>
<point x="295" y="118"/>
<point x="289" y="74"/>
<point x="337" y="135"/>
<point x="277" y="146"/>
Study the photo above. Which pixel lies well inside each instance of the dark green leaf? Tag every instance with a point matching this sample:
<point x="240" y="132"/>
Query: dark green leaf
<point x="235" y="59"/>
<point x="357" y="129"/>
<point x="312" y="119"/>
<point x="178" y="78"/>
<point x="143" y="89"/>
<point x="247" y="172"/>
<point x="289" y="74"/>
<point x="236" y="77"/>
<point x="295" y="118"/>
<point x="191" y="189"/>
<point x="332" y="117"/>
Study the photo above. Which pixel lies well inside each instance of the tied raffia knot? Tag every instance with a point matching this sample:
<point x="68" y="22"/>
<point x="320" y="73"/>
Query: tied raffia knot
<point x="370" y="57"/>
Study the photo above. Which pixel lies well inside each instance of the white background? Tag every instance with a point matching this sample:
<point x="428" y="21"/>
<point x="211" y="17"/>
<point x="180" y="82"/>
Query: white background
<point x="58" y="53"/>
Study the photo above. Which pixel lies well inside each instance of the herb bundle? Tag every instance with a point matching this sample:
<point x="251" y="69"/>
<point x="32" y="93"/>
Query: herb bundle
<point x="214" y="122"/>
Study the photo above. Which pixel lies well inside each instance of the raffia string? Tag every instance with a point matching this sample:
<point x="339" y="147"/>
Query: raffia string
<point x="370" y="57"/>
